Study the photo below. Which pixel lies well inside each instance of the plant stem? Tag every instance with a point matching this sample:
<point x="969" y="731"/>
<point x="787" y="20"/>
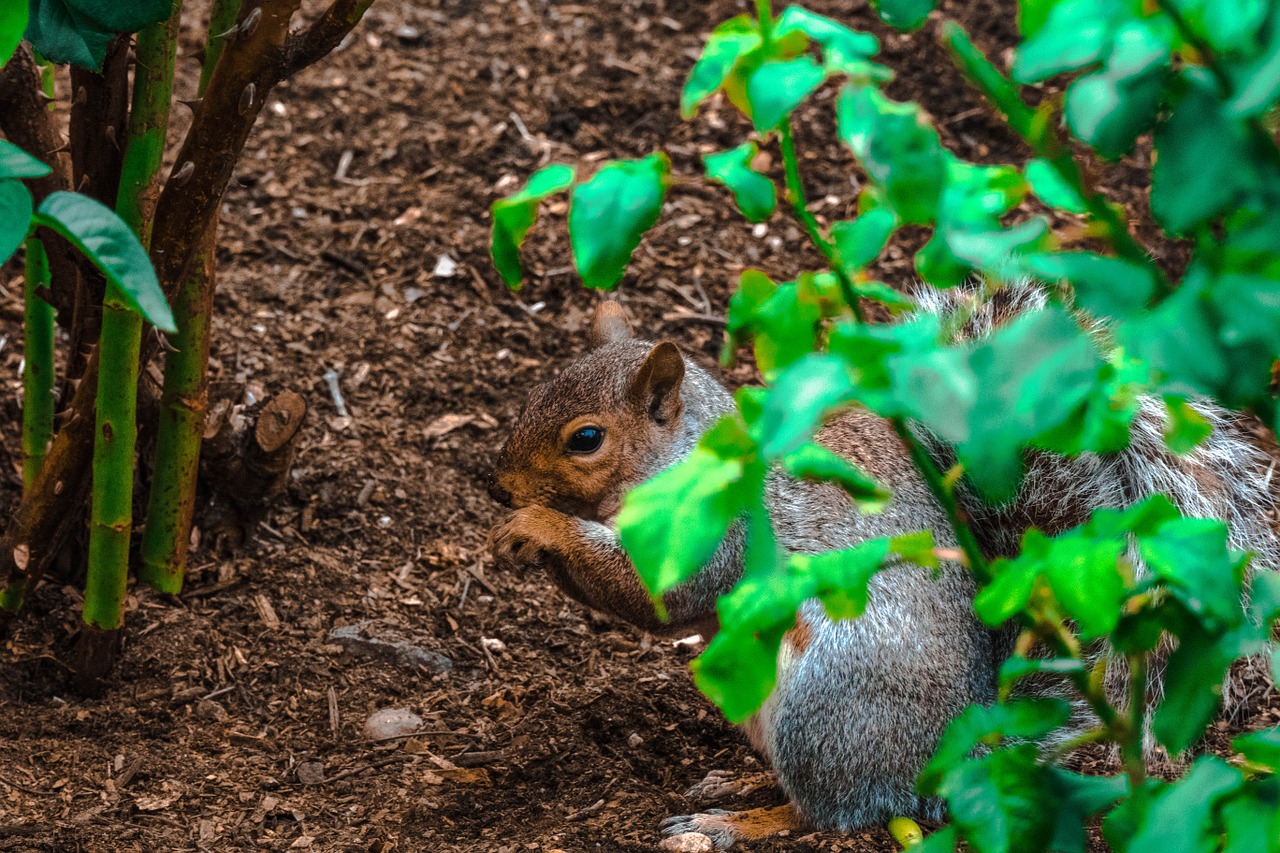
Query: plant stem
<point x="764" y="14"/>
<point x="799" y="204"/>
<point x="38" y="364"/>
<point x="1132" y="748"/>
<point x="184" y="400"/>
<point x="111" y="513"/>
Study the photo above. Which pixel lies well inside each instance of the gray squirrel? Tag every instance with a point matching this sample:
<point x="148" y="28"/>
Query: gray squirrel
<point x="859" y="705"/>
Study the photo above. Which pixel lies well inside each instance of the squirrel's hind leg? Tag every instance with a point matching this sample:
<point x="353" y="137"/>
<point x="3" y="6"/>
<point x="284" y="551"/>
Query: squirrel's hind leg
<point x="728" y="828"/>
<point x="723" y="784"/>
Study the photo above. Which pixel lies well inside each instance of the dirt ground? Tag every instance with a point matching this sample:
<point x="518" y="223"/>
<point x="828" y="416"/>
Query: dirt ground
<point x="355" y="239"/>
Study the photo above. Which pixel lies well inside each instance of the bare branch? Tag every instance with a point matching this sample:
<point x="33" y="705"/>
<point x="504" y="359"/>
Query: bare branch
<point x="328" y="31"/>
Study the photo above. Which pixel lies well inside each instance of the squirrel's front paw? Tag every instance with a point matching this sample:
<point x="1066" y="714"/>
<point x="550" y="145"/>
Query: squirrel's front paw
<point x="527" y="537"/>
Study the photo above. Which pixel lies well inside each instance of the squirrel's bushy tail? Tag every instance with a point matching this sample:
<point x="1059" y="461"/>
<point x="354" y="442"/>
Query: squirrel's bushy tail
<point x="1232" y="475"/>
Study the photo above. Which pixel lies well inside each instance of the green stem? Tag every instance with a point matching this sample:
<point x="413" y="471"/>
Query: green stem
<point x="1131" y="749"/>
<point x="946" y="496"/>
<point x="38" y="364"/>
<point x="111" y="513"/>
<point x="184" y="400"/>
<point x="800" y="205"/>
<point x="764" y="14"/>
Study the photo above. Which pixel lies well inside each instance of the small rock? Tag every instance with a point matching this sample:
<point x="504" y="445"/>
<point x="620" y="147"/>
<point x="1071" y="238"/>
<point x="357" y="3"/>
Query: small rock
<point x="374" y="639"/>
<point x="391" y="722"/>
<point x="207" y="709"/>
<point x="493" y="644"/>
<point x="408" y="34"/>
<point x="634" y="740"/>
<point x="688" y="842"/>
<point x="445" y="266"/>
<point x="311" y="772"/>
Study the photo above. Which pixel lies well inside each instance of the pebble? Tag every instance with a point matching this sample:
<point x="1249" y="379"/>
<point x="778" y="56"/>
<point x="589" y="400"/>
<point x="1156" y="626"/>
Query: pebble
<point x="688" y="842"/>
<point x="391" y="722"/>
<point x="311" y="772"/>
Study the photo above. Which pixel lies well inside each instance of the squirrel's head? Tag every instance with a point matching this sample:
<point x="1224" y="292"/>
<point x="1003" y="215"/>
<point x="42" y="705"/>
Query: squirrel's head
<point x="606" y="423"/>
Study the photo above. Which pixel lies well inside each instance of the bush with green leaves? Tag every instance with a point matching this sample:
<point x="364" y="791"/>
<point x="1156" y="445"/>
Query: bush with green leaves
<point x="1201" y="80"/>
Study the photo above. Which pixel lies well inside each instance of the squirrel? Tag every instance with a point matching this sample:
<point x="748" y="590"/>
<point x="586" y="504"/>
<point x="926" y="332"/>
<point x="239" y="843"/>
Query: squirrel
<point x="859" y="705"/>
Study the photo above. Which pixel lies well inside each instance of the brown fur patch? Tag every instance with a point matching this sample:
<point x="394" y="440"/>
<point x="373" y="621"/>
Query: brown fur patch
<point x="801" y="635"/>
<point x="752" y="824"/>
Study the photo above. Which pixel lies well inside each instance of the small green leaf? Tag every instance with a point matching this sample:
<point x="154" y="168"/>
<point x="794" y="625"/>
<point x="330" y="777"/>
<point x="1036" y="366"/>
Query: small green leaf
<point x="1258" y="81"/>
<point x="1261" y="748"/>
<point x="106" y="240"/>
<point x="812" y="461"/>
<point x="13" y="21"/>
<point x="16" y="163"/>
<point x="755" y="194"/>
<point x="778" y="87"/>
<point x="904" y="15"/>
<point x="514" y="215"/>
<point x="610" y="213"/>
<point x="843" y="49"/>
<point x="1073" y="34"/>
<point x="15" y="217"/>
<point x="1185" y="427"/>
<point x="1049" y="187"/>
<point x="859" y="241"/>
<point x="730" y="41"/>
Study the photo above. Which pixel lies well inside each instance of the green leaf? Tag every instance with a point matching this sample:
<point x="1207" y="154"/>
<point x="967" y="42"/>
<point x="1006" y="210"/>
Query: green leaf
<point x="897" y="147"/>
<point x="896" y="302"/>
<point x="1073" y="34"/>
<point x="1223" y="26"/>
<point x="1191" y="556"/>
<point x="106" y="240"/>
<point x="672" y="524"/>
<point x="904" y="15"/>
<point x="1077" y="799"/>
<point x="802" y="395"/>
<point x="1185" y="427"/>
<point x="1104" y="286"/>
<point x="1049" y="187"/>
<point x="1016" y="668"/>
<point x="1251" y="821"/>
<point x="1009" y="590"/>
<point x="843" y="49"/>
<point x="1257" y="82"/>
<point x="13" y="21"/>
<point x="62" y="34"/>
<point x="120" y="17"/>
<point x="15" y="217"/>
<point x="779" y="86"/>
<point x="610" y="213"/>
<point x="16" y="163"/>
<point x="998" y="801"/>
<point x="729" y="43"/>
<point x="1204" y="161"/>
<point x="755" y="194"/>
<point x="1261" y="748"/>
<point x="812" y="461"/>
<point x="514" y="215"/>
<point x="1180" y="819"/>
<point x="1192" y="687"/>
<point x="1110" y="108"/>
<point x="859" y="242"/>
<point x="785" y="325"/>
<point x="1023" y="719"/>
<point x="841" y="579"/>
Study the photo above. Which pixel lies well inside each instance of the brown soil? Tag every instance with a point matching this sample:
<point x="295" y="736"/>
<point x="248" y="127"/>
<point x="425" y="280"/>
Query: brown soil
<point x="235" y="722"/>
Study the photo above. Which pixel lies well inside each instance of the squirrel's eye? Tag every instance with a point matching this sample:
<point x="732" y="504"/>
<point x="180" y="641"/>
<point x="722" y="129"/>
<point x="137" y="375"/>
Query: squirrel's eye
<point x="586" y="440"/>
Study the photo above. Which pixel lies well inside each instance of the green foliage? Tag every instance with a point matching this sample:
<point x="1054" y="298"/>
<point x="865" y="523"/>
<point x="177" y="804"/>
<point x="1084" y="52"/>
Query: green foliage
<point x="103" y="238"/>
<point x="78" y="31"/>
<point x="609" y="213"/>
<point x="1196" y="75"/>
<point x="755" y="193"/>
<point x="514" y="215"/>
<point x="13" y="21"/>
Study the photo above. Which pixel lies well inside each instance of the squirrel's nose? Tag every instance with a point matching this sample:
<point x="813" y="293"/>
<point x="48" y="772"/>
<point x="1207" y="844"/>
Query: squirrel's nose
<point x="497" y="492"/>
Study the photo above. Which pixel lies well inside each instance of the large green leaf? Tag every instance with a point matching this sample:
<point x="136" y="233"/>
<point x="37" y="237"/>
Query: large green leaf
<point x="755" y="194"/>
<point x="610" y="213"/>
<point x="843" y="49"/>
<point x="126" y="17"/>
<point x="777" y="87"/>
<point x="1205" y="159"/>
<point x="13" y="21"/>
<point x="1105" y="286"/>
<point x="16" y="163"/>
<point x="106" y="240"/>
<point x="1257" y="80"/>
<point x="897" y="147"/>
<point x="514" y="215"/>
<point x="1071" y="35"/>
<point x="15" y="216"/>
<point x="62" y="34"/>
<point x="801" y="397"/>
<point x="1224" y="25"/>
<point x="1180" y="818"/>
<point x="671" y="525"/>
<point x="1110" y="108"/>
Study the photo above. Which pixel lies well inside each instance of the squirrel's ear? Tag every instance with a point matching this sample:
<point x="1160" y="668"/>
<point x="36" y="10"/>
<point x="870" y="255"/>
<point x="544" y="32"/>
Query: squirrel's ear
<point x="609" y="325"/>
<point x="656" y="385"/>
